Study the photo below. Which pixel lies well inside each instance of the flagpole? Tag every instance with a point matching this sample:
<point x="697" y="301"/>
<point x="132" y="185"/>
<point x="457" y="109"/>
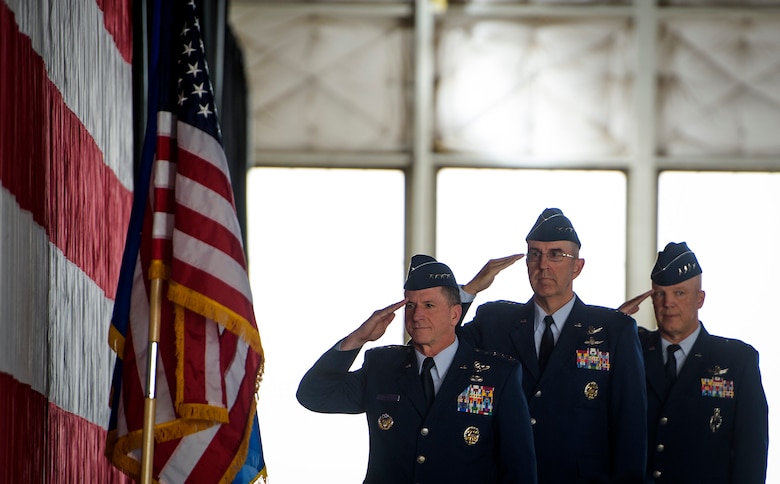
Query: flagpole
<point x="150" y="403"/>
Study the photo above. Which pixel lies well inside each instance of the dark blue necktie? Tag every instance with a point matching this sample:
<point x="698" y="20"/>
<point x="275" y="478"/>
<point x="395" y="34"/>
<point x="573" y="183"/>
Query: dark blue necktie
<point x="427" y="381"/>
<point x="548" y="342"/>
<point x="671" y="365"/>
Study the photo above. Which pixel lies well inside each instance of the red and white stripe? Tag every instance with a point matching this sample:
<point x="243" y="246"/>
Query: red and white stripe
<point x="66" y="167"/>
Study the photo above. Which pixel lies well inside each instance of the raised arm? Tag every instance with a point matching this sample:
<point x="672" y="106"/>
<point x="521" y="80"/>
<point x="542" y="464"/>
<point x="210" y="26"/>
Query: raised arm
<point x="373" y="328"/>
<point x="632" y="305"/>
<point x="488" y="273"/>
<point x="329" y="386"/>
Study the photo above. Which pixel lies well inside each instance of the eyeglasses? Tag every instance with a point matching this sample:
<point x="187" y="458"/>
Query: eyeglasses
<point x="554" y="255"/>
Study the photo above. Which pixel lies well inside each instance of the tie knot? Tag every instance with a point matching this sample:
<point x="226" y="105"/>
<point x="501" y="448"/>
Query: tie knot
<point x="672" y="349"/>
<point x="427" y="364"/>
<point x="549" y="321"/>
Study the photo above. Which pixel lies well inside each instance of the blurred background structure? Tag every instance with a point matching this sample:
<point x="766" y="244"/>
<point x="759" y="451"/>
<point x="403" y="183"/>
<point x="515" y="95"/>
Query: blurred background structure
<point x="384" y="129"/>
<point x="360" y="133"/>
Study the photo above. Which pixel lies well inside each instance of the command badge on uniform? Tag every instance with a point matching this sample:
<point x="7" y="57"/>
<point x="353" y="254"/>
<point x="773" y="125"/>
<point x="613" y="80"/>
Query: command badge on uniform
<point x="476" y="399"/>
<point x="716" y="420"/>
<point x="471" y="435"/>
<point x="593" y="359"/>
<point x="385" y="421"/>
<point x="717" y="387"/>
<point x="591" y="390"/>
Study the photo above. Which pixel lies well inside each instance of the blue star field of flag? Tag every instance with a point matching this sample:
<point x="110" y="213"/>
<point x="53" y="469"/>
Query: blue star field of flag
<point x="194" y="99"/>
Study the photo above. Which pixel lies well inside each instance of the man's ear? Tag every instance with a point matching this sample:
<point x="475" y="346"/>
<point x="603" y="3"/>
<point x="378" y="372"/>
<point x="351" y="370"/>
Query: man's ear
<point x="578" y="265"/>
<point x="456" y="310"/>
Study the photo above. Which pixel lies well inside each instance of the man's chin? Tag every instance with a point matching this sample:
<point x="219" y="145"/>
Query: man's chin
<point x="419" y="335"/>
<point x="669" y="325"/>
<point x="544" y="290"/>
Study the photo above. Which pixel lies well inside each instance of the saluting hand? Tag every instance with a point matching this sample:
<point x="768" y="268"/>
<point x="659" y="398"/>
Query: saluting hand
<point x="632" y="305"/>
<point x="487" y="274"/>
<point x="373" y="328"/>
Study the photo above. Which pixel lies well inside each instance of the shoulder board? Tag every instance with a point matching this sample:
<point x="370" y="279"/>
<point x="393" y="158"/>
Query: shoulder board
<point x="494" y="354"/>
<point x="391" y="348"/>
<point x="733" y="342"/>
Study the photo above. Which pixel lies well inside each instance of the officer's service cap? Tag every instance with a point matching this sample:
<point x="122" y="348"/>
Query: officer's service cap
<point x="675" y="264"/>
<point x="426" y="272"/>
<point x="552" y="225"/>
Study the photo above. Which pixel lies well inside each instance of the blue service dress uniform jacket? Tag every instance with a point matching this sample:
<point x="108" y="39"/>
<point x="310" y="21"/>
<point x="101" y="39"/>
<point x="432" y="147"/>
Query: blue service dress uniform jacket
<point x="486" y="441"/>
<point x="588" y="409"/>
<point x="712" y="427"/>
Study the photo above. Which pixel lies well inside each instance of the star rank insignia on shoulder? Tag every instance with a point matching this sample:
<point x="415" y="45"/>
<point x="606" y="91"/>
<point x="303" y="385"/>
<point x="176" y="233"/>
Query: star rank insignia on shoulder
<point x="494" y="353"/>
<point x="394" y="347"/>
<point x="505" y="301"/>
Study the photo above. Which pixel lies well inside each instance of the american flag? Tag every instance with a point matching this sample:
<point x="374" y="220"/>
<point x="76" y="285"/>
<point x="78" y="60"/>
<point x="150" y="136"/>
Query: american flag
<point x="184" y="231"/>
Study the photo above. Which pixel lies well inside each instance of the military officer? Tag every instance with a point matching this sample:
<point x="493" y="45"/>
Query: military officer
<point x="580" y="363"/>
<point x="473" y="428"/>
<point x="707" y="411"/>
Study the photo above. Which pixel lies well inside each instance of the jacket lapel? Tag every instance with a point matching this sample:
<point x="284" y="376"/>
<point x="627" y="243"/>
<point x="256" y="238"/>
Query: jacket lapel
<point x="409" y="382"/>
<point x="457" y="379"/>
<point x="458" y="375"/>
<point x="571" y="336"/>
<point x="695" y="363"/>
<point x="523" y="339"/>
<point x="654" y="365"/>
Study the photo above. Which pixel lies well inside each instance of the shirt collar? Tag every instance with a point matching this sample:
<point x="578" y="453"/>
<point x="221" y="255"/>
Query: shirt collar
<point x="442" y="360"/>
<point x="560" y="316"/>
<point x="685" y="345"/>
